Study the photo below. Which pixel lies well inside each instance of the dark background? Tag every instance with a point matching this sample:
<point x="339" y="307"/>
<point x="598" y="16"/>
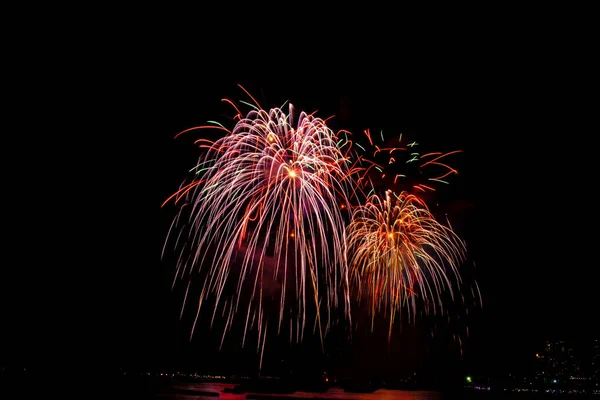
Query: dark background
<point x="523" y="199"/>
<point x="517" y="199"/>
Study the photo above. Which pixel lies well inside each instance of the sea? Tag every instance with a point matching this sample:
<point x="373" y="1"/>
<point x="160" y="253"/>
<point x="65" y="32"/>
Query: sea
<point x="218" y="390"/>
<point x="222" y="391"/>
<point x="105" y="388"/>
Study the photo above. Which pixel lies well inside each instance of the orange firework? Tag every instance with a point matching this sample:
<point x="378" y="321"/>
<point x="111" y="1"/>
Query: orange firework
<point x="400" y="254"/>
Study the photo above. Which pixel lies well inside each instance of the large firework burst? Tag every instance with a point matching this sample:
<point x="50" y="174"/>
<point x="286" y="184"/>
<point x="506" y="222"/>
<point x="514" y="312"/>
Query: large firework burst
<point x="264" y="220"/>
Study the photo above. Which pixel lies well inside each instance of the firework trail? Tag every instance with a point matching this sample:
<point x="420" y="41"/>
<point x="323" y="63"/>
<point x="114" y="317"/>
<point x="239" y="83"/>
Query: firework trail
<point x="399" y="165"/>
<point x="266" y="213"/>
<point x="399" y="254"/>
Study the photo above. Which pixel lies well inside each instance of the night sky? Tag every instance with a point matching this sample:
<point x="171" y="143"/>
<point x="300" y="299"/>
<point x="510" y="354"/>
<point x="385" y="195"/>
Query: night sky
<point x="514" y="200"/>
<point x="520" y="200"/>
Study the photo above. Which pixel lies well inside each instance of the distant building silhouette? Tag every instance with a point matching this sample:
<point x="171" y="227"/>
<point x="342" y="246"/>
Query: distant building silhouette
<point x="568" y="366"/>
<point x="595" y="366"/>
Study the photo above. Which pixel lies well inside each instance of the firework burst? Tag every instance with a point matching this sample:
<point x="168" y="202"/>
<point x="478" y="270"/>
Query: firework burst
<point x="399" y="165"/>
<point x="399" y="255"/>
<point x="264" y="221"/>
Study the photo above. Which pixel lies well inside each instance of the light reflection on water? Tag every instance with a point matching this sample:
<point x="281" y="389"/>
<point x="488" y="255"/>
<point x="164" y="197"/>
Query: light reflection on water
<point x="332" y="393"/>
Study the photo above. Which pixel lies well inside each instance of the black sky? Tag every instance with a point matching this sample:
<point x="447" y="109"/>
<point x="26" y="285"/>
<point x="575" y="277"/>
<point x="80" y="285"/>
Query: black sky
<point x="514" y="197"/>
<point x="521" y="199"/>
